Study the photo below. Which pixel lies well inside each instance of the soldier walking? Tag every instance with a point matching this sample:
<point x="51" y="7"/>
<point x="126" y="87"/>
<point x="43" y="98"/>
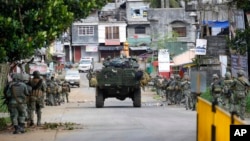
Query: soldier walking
<point x="227" y="92"/>
<point x="177" y="88"/>
<point x="37" y="97"/>
<point x="51" y="91"/>
<point x="170" y="91"/>
<point x="16" y="94"/>
<point x="216" y="90"/>
<point x="186" y="89"/>
<point x="65" y="91"/>
<point x="240" y="88"/>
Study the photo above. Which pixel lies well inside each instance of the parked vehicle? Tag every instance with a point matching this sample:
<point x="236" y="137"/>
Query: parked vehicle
<point x="86" y="64"/>
<point x="73" y="77"/>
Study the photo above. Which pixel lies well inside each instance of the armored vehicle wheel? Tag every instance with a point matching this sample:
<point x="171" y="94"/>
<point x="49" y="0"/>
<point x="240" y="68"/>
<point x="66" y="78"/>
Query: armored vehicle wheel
<point x="137" y="98"/>
<point x="99" y="100"/>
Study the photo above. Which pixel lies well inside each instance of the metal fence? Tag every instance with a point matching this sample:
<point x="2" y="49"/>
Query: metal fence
<point x="213" y="123"/>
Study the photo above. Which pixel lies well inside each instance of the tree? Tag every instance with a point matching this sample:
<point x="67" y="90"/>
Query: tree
<point x="157" y="3"/>
<point x="27" y="25"/>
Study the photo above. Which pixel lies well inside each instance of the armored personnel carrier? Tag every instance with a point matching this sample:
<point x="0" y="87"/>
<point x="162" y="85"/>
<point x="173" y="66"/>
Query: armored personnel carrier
<point x="119" y="78"/>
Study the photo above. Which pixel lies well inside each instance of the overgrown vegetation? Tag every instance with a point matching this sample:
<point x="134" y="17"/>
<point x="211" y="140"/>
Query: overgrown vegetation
<point x="64" y="126"/>
<point x="4" y="122"/>
<point x="206" y="95"/>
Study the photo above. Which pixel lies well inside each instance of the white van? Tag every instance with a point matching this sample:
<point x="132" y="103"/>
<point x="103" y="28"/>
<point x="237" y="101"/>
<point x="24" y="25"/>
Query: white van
<point x="86" y="64"/>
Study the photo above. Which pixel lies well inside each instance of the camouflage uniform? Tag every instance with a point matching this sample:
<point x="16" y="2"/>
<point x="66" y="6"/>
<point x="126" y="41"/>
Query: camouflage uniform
<point x="227" y="92"/>
<point x="159" y="81"/>
<point x="37" y="97"/>
<point x="58" y="95"/>
<point x="26" y="79"/>
<point x="240" y="88"/>
<point x="216" y="90"/>
<point x="51" y="91"/>
<point x="186" y="89"/>
<point x="16" y="94"/>
<point x="65" y="91"/>
<point x="170" y="90"/>
<point x="177" y="90"/>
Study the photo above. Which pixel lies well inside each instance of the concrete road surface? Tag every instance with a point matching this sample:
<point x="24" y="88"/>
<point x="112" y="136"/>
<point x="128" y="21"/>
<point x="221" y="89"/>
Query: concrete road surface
<point x="117" y="121"/>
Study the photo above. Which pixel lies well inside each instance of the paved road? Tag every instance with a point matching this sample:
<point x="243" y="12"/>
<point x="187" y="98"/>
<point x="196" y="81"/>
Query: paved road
<point x="117" y="121"/>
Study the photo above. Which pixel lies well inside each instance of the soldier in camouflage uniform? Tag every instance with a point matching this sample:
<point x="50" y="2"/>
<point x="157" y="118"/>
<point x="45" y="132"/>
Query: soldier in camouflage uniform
<point x="58" y="95"/>
<point x="240" y="88"/>
<point x="16" y="94"/>
<point x="186" y="89"/>
<point x="37" y="97"/>
<point x="159" y="85"/>
<point x="65" y="91"/>
<point x="170" y="90"/>
<point x="26" y="80"/>
<point x="216" y="90"/>
<point x="51" y="91"/>
<point x="177" y="94"/>
<point x="227" y="92"/>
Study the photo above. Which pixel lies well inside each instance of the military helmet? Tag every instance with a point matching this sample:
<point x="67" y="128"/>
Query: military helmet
<point x="16" y="76"/>
<point x="240" y="72"/>
<point x="177" y="76"/>
<point x="25" y="77"/>
<point x="36" y="74"/>
<point x="186" y="77"/>
<point x="228" y="75"/>
<point x="215" y="76"/>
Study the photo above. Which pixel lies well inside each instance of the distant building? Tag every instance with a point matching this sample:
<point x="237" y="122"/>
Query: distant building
<point x="138" y="28"/>
<point x="111" y="30"/>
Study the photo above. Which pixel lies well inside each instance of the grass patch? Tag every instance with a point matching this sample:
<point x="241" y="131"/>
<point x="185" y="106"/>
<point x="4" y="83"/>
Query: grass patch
<point x="248" y="103"/>
<point x="206" y="95"/>
<point x="4" y="122"/>
<point x="157" y="97"/>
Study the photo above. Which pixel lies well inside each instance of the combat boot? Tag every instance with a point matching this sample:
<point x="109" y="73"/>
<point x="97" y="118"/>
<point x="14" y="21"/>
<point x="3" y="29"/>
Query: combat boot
<point x="31" y="123"/>
<point x="39" y="120"/>
<point x="21" y="127"/>
<point x="16" y="129"/>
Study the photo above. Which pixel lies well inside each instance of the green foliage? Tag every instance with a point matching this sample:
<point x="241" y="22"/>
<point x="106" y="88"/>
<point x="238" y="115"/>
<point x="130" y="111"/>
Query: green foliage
<point x="241" y="4"/>
<point x="4" y="122"/>
<point x="248" y="104"/>
<point x="157" y="3"/>
<point x="162" y="40"/>
<point x="3" y="106"/>
<point x="239" y="42"/>
<point x="206" y="95"/>
<point x="27" y="25"/>
<point x="154" y="3"/>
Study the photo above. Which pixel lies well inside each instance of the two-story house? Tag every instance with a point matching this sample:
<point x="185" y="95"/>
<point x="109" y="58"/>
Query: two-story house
<point x="138" y="28"/>
<point x="111" y="30"/>
<point x="84" y="42"/>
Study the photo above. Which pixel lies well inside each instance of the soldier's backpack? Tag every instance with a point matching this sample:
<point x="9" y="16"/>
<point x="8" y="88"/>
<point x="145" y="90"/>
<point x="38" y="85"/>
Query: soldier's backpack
<point x="216" y="87"/>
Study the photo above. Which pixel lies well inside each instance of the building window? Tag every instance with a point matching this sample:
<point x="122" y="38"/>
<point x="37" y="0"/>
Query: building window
<point x="86" y="30"/>
<point x="112" y="32"/>
<point x="140" y="12"/>
<point x="181" y="31"/>
<point x="140" y="30"/>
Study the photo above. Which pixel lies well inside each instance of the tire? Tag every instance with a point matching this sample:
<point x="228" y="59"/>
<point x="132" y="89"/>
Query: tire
<point x="137" y="98"/>
<point x="99" y="99"/>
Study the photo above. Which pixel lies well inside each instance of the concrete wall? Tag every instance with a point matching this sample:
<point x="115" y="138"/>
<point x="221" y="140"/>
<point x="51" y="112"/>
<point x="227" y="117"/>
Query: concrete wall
<point x="163" y="19"/>
<point x="136" y="5"/>
<point x="137" y="20"/>
<point x="83" y="40"/>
